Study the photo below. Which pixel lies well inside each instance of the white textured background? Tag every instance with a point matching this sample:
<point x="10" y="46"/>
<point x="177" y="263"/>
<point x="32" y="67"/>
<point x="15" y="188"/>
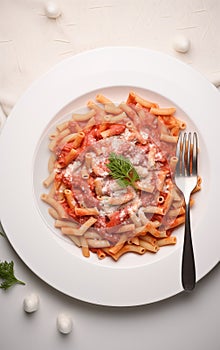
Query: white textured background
<point x="30" y="43"/>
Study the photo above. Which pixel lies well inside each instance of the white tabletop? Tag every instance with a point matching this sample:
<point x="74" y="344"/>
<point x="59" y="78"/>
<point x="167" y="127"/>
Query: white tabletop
<point x="33" y="43"/>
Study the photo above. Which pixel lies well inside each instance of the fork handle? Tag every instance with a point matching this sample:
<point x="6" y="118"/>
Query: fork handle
<point x="188" y="262"/>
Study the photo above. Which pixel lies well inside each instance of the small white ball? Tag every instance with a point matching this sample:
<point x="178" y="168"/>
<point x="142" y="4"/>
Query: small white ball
<point x="181" y="44"/>
<point x="31" y="303"/>
<point x="64" y="323"/>
<point x="52" y="9"/>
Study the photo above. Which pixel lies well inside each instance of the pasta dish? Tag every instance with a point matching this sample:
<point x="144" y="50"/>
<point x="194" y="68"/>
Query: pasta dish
<point x="111" y="186"/>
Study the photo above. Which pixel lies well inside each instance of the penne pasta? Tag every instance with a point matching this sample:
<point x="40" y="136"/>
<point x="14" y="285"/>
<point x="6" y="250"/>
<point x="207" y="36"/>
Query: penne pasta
<point x="148" y="246"/>
<point x="85" y="116"/>
<point x="86" y="211"/>
<point x="169" y="138"/>
<point x="166" y="241"/>
<point x="133" y="97"/>
<point x="163" y="111"/>
<point x="56" y="205"/>
<point x="84" y="246"/>
<point x="65" y="223"/>
<point x="125" y="249"/>
<point x="110" y="180"/>
<point x="49" y="180"/>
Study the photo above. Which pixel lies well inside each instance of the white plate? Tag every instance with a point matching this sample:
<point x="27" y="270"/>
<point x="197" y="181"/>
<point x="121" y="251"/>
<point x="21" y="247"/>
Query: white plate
<point x="133" y="280"/>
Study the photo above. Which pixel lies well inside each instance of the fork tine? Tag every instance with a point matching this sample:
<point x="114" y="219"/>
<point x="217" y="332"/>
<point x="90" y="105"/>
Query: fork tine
<point x="178" y="154"/>
<point x="195" y="154"/>
<point x="188" y="159"/>
<point x="184" y="148"/>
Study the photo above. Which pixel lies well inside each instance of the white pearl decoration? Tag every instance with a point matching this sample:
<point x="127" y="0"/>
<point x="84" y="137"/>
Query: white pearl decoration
<point x="64" y="323"/>
<point x="31" y="303"/>
<point x="181" y="44"/>
<point x="52" y="9"/>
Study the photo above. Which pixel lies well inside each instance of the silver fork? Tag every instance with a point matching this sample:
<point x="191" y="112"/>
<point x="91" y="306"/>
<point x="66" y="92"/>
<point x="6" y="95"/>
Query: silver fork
<point x="186" y="180"/>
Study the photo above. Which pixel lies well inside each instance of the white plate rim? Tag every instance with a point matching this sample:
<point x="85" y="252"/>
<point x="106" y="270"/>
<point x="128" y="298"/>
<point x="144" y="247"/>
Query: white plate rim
<point x="108" y="66"/>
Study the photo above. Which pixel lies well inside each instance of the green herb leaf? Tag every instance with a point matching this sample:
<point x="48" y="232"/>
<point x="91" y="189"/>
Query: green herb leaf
<point x="7" y="275"/>
<point x="122" y="170"/>
<point x="2" y="232"/>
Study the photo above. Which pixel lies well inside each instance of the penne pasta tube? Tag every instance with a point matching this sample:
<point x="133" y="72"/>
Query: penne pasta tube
<point x="160" y="199"/>
<point x="173" y="163"/>
<point x="174" y="131"/>
<point x="91" y="122"/>
<point x="98" y="243"/>
<point x="51" y="162"/>
<point x="85" y="246"/>
<point x="136" y="220"/>
<point x="133" y="97"/>
<point x="49" y="180"/>
<point x="162" y="111"/>
<point x="78" y="139"/>
<point x="145" y="186"/>
<point x="101" y="254"/>
<point x="58" y="138"/>
<point x="125" y="249"/>
<point x="53" y="213"/>
<point x="86" y="225"/>
<point x="149" y="239"/>
<point x="169" y="138"/>
<point x="111" y="109"/>
<point x="75" y="240"/>
<point x="92" y="234"/>
<point x="148" y="246"/>
<point x="176" y="212"/>
<point x="141" y="231"/>
<point x="52" y="191"/>
<point x="116" y="118"/>
<point x="198" y="185"/>
<point x="53" y="135"/>
<point x="97" y="108"/>
<point x="130" y="125"/>
<point x="80" y="230"/>
<point x="84" y="173"/>
<point x="178" y="221"/>
<point x="104" y="100"/>
<point x="70" y="157"/>
<point x="127" y="197"/>
<point x="134" y="240"/>
<point x="142" y="216"/>
<point x="167" y="202"/>
<point x="126" y="228"/>
<point x="119" y="245"/>
<point x="84" y="117"/>
<point x="98" y="186"/>
<point x="88" y="160"/>
<point x="155" y="232"/>
<point x="181" y="124"/>
<point x="56" y="205"/>
<point x="71" y="231"/>
<point x="66" y="139"/>
<point x="62" y="126"/>
<point x="86" y="211"/>
<point x="153" y="210"/>
<point x="166" y="241"/>
<point x="130" y="112"/>
<point x="65" y="223"/>
<point x="70" y="198"/>
<point x="160" y="180"/>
